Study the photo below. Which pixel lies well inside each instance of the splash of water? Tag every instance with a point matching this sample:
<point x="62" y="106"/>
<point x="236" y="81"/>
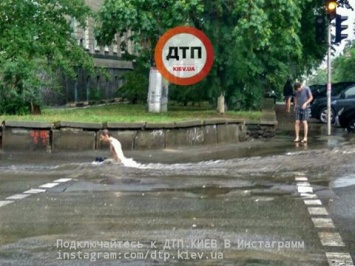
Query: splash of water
<point x="131" y="163"/>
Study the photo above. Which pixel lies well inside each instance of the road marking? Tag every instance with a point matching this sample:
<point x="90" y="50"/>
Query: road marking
<point x="327" y="239"/>
<point x="303" y="189"/>
<point x="18" y="196"/>
<point x="309" y="196"/>
<point x="303" y="184"/>
<point x="62" y="180"/>
<point x="331" y="239"/>
<point x="317" y="211"/>
<point x="337" y="259"/>
<point x="313" y="202"/>
<point x="323" y="223"/>
<point x="34" y="191"/>
<point x="5" y="202"/>
<point x="49" y="185"/>
<point x="301" y="179"/>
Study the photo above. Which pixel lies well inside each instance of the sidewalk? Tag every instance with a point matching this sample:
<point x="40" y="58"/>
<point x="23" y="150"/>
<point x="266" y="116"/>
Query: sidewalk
<point x="286" y="121"/>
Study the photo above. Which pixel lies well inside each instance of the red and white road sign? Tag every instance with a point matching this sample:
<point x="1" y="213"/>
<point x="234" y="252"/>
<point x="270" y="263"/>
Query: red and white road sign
<point x="184" y="55"/>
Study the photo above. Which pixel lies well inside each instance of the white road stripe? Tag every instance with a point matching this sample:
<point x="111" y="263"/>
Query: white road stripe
<point x="34" y="191"/>
<point x="331" y="239"/>
<point x="302" y="189"/>
<point x="301" y="178"/>
<point x="317" y="211"/>
<point x="303" y="184"/>
<point x="327" y="239"/>
<point x="313" y="202"/>
<point x="337" y="259"/>
<point x="5" y="202"/>
<point x="308" y="196"/>
<point x="18" y="196"/>
<point x="49" y="185"/>
<point x="62" y="180"/>
<point x="323" y="223"/>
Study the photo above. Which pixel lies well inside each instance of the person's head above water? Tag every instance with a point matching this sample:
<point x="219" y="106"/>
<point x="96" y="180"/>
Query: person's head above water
<point x="105" y="135"/>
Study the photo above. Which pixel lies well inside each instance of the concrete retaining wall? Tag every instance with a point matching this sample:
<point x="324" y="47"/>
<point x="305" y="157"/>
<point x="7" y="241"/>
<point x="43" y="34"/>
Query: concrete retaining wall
<point x="69" y="136"/>
<point x="31" y="136"/>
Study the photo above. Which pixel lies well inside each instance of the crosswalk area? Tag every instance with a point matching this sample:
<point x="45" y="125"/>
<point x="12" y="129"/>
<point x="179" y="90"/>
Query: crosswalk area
<point x="328" y="235"/>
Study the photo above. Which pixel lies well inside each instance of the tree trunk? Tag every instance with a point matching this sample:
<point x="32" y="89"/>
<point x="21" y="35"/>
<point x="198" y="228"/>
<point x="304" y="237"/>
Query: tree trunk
<point x="35" y="109"/>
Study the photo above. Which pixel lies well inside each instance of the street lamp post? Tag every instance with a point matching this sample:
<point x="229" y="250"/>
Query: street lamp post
<point x="329" y="80"/>
<point x="331" y="6"/>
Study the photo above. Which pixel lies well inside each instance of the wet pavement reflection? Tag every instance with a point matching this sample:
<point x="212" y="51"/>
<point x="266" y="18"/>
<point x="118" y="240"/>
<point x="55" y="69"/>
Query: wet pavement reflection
<point x="239" y="201"/>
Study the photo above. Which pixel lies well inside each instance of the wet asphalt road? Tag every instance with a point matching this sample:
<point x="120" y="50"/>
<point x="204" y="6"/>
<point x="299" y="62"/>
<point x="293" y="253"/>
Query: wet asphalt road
<point x="226" y="205"/>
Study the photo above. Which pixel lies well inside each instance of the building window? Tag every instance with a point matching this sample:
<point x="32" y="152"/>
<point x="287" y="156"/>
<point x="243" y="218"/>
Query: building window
<point x="73" y="26"/>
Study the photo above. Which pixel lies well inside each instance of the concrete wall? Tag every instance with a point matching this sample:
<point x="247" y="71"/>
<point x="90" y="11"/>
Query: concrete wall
<point x="34" y="136"/>
<point x="69" y="136"/>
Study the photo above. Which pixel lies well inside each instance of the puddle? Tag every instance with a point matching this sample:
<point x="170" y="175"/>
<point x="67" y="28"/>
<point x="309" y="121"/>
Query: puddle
<point x="215" y="191"/>
<point x="345" y="181"/>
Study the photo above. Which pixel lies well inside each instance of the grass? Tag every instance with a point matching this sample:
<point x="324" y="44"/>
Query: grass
<point x="129" y="113"/>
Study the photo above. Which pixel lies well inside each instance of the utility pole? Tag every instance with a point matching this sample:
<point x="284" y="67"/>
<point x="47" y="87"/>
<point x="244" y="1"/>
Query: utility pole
<point x="329" y="80"/>
<point x="331" y="8"/>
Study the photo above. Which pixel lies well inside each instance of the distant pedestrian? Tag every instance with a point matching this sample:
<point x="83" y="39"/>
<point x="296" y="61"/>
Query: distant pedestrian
<point x="115" y="146"/>
<point x="288" y="94"/>
<point x="303" y="98"/>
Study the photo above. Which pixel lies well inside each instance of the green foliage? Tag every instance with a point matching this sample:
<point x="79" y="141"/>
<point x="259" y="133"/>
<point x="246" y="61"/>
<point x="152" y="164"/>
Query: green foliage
<point x="135" y="85"/>
<point x="313" y="53"/>
<point x="130" y="113"/>
<point x="320" y="77"/>
<point x="344" y="65"/>
<point x="96" y="94"/>
<point x="257" y="44"/>
<point x="188" y="94"/>
<point x="36" y="38"/>
<point x="342" y="68"/>
<point x="17" y="85"/>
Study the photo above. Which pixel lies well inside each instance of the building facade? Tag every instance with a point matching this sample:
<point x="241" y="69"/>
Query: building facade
<point x="108" y="62"/>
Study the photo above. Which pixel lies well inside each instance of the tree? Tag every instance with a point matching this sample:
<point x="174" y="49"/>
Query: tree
<point x="318" y="77"/>
<point x="37" y="40"/>
<point x="344" y="65"/>
<point x="257" y="44"/>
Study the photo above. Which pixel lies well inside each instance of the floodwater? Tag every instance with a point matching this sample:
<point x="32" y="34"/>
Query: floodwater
<point x="258" y="164"/>
<point x="226" y="193"/>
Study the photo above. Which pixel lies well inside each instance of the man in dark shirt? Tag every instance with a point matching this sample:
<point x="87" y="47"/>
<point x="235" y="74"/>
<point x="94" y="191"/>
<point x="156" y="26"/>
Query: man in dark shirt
<point x="303" y="97"/>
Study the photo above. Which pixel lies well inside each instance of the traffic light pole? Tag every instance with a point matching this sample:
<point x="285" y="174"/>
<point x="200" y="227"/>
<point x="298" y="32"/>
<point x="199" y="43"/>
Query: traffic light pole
<point x="329" y="78"/>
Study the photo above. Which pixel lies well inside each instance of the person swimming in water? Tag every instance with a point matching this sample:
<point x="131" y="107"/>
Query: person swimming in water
<point x="115" y="146"/>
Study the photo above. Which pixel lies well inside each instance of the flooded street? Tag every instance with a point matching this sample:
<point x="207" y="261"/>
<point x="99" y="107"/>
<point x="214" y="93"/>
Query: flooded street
<point x="239" y="204"/>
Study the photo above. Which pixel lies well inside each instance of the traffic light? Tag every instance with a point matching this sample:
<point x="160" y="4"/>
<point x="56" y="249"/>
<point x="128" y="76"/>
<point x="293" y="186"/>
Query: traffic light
<point x="321" y="27"/>
<point x="331" y="7"/>
<point x="339" y="28"/>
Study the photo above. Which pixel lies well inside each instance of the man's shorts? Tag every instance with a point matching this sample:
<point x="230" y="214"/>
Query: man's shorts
<point x="302" y="115"/>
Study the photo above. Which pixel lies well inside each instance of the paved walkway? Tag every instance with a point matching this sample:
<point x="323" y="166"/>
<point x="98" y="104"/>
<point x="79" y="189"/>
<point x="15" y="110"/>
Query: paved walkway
<point x="286" y="121"/>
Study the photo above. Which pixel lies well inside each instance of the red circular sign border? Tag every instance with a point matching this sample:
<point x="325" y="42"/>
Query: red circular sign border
<point x="159" y="50"/>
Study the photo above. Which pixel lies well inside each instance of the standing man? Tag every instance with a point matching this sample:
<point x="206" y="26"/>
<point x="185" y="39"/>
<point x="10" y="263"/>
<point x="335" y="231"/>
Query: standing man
<point x="115" y="146"/>
<point x="303" y="97"/>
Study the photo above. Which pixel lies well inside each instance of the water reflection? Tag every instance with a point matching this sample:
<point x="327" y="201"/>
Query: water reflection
<point x="345" y="181"/>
